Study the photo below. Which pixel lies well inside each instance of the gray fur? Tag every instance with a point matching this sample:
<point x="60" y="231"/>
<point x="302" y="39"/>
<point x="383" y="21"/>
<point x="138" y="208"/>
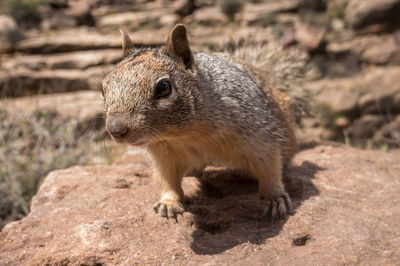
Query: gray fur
<point x="237" y="101"/>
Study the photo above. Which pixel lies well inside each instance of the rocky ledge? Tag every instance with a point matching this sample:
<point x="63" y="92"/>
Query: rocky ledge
<point x="346" y="212"/>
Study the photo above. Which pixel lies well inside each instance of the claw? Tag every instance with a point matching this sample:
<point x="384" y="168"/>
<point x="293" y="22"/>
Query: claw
<point x="156" y="207"/>
<point x="168" y="210"/>
<point x="281" y="208"/>
<point x="267" y="208"/>
<point x="278" y="207"/>
<point x="171" y="212"/>
<point x="274" y="209"/>
<point x="163" y="210"/>
<point x="288" y="203"/>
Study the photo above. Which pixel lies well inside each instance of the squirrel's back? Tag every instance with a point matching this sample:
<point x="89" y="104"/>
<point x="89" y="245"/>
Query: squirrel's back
<point x="240" y="97"/>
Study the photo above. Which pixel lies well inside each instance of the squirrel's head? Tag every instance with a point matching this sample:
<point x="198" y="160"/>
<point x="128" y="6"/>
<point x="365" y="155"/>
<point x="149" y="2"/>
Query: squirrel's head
<point x="151" y="92"/>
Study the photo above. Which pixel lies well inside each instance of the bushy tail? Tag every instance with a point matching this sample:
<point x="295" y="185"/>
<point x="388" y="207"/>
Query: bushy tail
<point x="284" y="68"/>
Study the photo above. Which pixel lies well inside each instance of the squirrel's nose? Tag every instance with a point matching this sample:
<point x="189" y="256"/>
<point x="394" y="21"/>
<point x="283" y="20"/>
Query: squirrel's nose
<point x="116" y="127"/>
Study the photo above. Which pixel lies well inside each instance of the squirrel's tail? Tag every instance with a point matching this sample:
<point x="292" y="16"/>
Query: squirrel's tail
<point x="284" y="68"/>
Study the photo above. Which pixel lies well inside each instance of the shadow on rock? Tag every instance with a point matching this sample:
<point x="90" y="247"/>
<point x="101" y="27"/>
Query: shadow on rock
<point x="227" y="210"/>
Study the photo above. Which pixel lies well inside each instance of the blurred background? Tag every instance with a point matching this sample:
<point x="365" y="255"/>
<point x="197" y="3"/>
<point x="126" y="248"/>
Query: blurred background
<point x="338" y="59"/>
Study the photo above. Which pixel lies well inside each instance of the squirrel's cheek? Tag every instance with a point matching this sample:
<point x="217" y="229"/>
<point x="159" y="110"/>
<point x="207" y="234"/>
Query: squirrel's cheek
<point x="139" y="118"/>
<point x="164" y="104"/>
<point x="167" y="103"/>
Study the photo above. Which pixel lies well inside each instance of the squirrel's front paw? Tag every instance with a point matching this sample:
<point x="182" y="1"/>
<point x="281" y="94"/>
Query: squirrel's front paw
<point x="169" y="209"/>
<point x="278" y="206"/>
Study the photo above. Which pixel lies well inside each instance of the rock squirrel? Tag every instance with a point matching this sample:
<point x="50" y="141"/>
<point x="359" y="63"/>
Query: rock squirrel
<point x="192" y="110"/>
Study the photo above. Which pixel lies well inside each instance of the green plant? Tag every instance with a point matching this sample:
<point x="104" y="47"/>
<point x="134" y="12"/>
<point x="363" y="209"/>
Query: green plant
<point x="325" y="113"/>
<point x="384" y="147"/>
<point x="150" y="22"/>
<point x="210" y="46"/>
<point x="231" y="7"/>
<point x="25" y="12"/>
<point x="337" y="9"/>
<point x="318" y="5"/>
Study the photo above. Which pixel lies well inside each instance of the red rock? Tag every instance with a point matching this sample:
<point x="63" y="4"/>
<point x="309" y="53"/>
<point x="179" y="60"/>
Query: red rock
<point x="79" y="105"/>
<point x="389" y="134"/>
<point x="25" y="82"/>
<point x="310" y="37"/>
<point x="184" y="8"/>
<point x="9" y="33"/>
<point x="382" y="87"/>
<point x="365" y="126"/>
<point x="360" y="13"/>
<point x="81" y="39"/>
<point x="386" y="52"/>
<point x="71" y="60"/>
<point x="346" y="212"/>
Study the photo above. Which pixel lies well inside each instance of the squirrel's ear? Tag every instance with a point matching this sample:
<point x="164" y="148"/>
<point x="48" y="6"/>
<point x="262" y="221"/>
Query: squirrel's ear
<point x="178" y="45"/>
<point x="127" y="44"/>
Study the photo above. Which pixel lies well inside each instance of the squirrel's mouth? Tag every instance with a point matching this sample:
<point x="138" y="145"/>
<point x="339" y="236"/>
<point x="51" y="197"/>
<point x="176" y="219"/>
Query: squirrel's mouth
<point x="120" y="138"/>
<point x="132" y="138"/>
<point x="138" y="143"/>
<point x="141" y="141"/>
<point x="127" y="141"/>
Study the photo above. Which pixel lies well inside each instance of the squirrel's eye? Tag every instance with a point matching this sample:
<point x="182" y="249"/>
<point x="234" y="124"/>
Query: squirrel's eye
<point x="162" y="89"/>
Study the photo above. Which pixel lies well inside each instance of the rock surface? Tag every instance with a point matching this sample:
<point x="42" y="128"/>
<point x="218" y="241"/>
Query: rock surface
<point x="131" y="19"/>
<point x="310" y="37"/>
<point x="361" y="13"/>
<point x="25" y="83"/>
<point x="79" y="105"/>
<point x="9" y="33"/>
<point x="70" y="40"/>
<point x="346" y="212"/>
<point x="389" y="134"/>
<point x="366" y="126"/>
<point x="387" y="52"/>
<point x="374" y="92"/>
<point x="71" y="60"/>
<point x="371" y="92"/>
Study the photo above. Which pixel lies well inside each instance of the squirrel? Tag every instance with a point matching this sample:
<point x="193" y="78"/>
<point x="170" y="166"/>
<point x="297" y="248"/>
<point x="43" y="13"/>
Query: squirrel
<point x="190" y="110"/>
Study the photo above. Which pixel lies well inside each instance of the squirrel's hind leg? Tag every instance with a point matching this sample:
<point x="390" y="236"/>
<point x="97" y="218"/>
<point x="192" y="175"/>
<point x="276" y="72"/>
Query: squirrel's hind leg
<point x="270" y="186"/>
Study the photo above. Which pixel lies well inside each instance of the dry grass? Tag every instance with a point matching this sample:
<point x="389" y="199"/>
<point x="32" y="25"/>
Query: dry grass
<point x="33" y="146"/>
